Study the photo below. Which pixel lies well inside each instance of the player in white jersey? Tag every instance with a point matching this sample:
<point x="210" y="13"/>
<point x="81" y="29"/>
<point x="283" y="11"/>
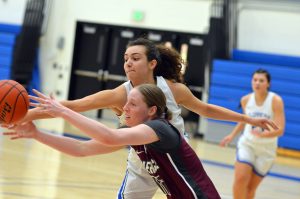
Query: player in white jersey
<point x="135" y="168"/>
<point x="143" y="62"/>
<point x="256" y="147"/>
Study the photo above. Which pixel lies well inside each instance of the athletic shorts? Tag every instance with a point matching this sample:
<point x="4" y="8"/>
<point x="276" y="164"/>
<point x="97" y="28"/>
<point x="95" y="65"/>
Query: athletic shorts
<point x="260" y="156"/>
<point x="137" y="183"/>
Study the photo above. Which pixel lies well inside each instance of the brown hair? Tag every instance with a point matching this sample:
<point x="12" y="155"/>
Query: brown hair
<point x="153" y="96"/>
<point x="169" y="61"/>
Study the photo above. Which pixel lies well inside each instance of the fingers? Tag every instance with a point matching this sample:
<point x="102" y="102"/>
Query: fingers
<point x="39" y="94"/>
<point x="9" y="133"/>
<point x="42" y="102"/>
<point x="52" y="96"/>
<point x="270" y="125"/>
<point x="44" y="106"/>
<point x="8" y="126"/>
<point x="38" y="99"/>
<point x="224" y="143"/>
<point x="13" y="135"/>
<point x="273" y="125"/>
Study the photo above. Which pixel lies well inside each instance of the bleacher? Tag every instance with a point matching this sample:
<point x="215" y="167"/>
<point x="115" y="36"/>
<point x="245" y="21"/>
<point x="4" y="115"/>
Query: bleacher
<point x="231" y="79"/>
<point x="8" y="34"/>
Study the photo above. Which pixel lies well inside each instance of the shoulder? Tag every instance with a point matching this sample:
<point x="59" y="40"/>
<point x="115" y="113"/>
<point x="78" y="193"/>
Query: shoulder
<point x="161" y="128"/>
<point x="157" y="124"/>
<point x="245" y="99"/>
<point x="277" y="100"/>
<point x="179" y="90"/>
<point x="169" y="137"/>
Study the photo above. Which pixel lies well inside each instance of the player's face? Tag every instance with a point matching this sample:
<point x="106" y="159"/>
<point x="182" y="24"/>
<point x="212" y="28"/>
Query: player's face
<point x="136" y="110"/>
<point x="260" y="82"/>
<point x="136" y="65"/>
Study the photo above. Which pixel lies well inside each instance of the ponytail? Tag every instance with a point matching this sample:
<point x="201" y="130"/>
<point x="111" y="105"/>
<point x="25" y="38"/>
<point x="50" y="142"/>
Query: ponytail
<point x="169" y="64"/>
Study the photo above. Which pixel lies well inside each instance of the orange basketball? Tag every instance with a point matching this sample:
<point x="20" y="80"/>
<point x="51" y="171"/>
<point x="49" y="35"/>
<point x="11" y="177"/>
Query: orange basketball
<point x="14" y="101"/>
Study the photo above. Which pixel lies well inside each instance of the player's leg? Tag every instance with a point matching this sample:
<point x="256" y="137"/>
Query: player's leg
<point x="266" y="154"/>
<point x="242" y="176"/>
<point x="253" y="184"/>
<point x="137" y="183"/>
<point x="243" y="169"/>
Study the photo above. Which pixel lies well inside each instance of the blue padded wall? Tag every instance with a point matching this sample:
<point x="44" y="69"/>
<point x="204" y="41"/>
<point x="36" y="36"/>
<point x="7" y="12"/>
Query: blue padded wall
<point x="231" y="79"/>
<point x="265" y="58"/>
<point x="8" y="34"/>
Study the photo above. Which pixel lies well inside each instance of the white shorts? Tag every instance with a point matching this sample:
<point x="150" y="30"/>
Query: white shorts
<point x="260" y="156"/>
<point x="137" y="183"/>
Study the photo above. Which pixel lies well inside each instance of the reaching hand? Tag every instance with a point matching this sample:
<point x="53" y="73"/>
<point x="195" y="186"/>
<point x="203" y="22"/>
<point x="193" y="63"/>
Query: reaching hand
<point x="226" y="140"/>
<point x="47" y="104"/>
<point x="24" y="130"/>
<point x="263" y="123"/>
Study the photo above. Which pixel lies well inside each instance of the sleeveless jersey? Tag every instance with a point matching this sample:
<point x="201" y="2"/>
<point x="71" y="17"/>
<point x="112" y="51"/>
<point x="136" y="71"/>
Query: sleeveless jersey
<point x="177" y="120"/>
<point x="255" y="111"/>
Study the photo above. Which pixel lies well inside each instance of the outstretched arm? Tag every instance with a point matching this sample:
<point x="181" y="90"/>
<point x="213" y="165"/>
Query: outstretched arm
<point x="113" y="99"/>
<point x="185" y="97"/>
<point x="63" y="144"/>
<point x="140" y="134"/>
<point x="228" y="139"/>
<point x="238" y="128"/>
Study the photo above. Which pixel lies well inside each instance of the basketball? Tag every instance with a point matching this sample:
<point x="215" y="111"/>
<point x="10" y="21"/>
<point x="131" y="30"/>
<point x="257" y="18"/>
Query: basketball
<point x="14" y="102"/>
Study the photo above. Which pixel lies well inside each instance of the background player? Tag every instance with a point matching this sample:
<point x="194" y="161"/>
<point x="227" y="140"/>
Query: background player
<point x="256" y="148"/>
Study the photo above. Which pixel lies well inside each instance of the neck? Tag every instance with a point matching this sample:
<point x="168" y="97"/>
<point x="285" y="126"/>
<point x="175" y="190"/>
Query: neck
<point x="143" y="81"/>
<point x="260" y="97"/>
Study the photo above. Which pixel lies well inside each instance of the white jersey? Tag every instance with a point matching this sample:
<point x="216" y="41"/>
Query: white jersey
<point x="177" y="120"/>
<point x="255" y="111"/>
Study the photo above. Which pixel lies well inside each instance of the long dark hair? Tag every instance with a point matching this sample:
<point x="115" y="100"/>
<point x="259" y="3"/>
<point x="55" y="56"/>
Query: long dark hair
<point x="169" y="61"/>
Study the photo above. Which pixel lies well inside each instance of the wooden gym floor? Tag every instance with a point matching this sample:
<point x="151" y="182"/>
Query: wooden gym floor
<point x="31" y="170"/>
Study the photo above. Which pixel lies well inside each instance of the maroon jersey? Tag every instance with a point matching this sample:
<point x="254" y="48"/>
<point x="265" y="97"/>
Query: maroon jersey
<point x="174" y="165"/>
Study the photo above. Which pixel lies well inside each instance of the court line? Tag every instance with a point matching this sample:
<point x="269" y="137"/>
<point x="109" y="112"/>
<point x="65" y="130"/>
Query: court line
<point x="273" y="174"/>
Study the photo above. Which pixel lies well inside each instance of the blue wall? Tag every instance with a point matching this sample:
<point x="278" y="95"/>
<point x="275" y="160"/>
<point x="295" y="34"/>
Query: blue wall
<point x="8" y="34"/>
<point x="231" y="79"/>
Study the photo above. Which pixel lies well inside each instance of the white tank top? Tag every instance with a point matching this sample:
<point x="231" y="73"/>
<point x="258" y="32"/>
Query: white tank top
<point x="255" y="111"/>
<point x="177" y="120"/>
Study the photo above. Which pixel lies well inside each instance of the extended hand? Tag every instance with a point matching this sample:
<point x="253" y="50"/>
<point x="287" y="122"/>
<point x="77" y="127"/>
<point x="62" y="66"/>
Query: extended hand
<point x="47" y="104"/>
<point x="226" y="140"/>
<point x="24" y="130"/>
<point x="263" y="123"/>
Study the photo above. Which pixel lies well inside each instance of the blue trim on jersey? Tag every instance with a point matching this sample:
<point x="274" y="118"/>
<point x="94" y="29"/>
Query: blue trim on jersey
<point x="122" y="188"/>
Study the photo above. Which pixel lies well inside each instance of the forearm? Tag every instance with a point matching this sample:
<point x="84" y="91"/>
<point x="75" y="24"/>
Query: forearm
<point x="237" y="129"/>
<point x="90" y="127"/>
<point x="75" y="105"/>
<point x="63" y="144"/>
<point x="221" y="113"/>
<point x="35" y="114"/>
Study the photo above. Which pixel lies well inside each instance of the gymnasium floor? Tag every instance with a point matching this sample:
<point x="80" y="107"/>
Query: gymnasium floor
<point x="31" y="170"/>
